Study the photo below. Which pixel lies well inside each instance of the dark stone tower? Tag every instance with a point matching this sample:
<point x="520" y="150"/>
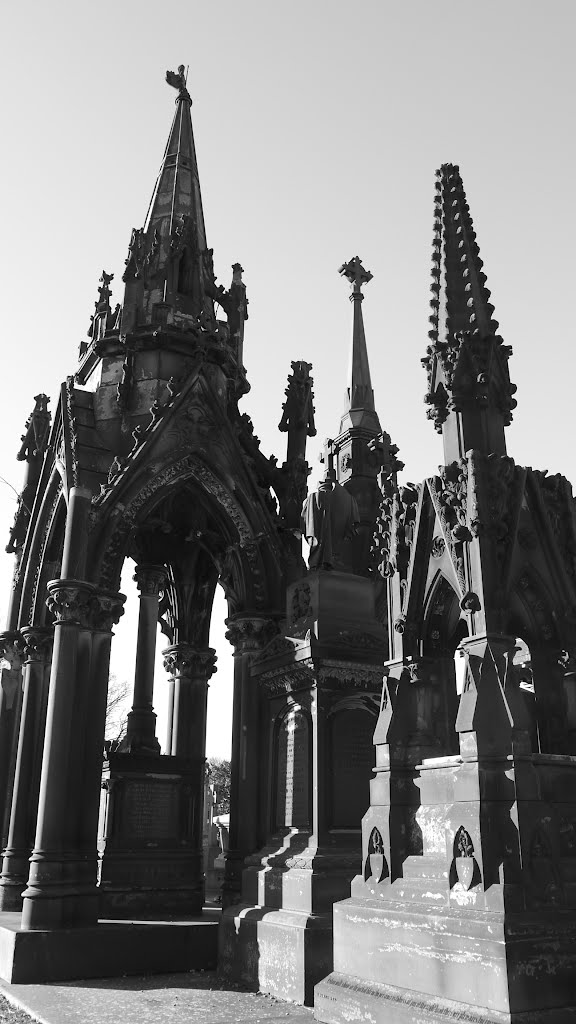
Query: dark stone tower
<point x="317" y="683"/>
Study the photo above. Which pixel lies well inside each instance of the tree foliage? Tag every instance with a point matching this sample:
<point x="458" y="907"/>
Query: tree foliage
<point x="219" y="771"/>
<point x="117" y="708"/>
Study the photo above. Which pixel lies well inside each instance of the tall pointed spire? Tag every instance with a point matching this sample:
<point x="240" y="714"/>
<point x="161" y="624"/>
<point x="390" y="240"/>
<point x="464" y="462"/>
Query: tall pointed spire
<point x="354" y="464"/>
<point x="469" y="389"/>
<point x="359" y="409"/>
<point x="177" y="190"/>
<point x="169" y="272"/>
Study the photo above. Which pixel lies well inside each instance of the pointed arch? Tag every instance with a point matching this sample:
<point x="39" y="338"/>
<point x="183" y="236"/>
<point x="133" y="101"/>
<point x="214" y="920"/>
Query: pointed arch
<point x="441" y="631"/>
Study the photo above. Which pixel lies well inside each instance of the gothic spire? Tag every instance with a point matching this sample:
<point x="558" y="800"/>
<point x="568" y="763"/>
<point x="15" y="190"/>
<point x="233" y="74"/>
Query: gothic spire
<point x="359" y="409"/>
<point x="469" y="389"/>
<point x="169" y="273"/>
<point x="177" y="190"/>
<point x="461" y="300"/>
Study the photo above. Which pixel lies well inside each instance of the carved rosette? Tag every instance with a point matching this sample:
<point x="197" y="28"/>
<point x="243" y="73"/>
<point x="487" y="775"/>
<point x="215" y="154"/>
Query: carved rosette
<point x="250" y="634"/>
<point x="150" y="579"/>
<point x="37" y="643"/>
<point x="12" y="648"/>
<point x="107" y="610"/>
<point x="70" y="602"/>
<point x="186" y="662"/>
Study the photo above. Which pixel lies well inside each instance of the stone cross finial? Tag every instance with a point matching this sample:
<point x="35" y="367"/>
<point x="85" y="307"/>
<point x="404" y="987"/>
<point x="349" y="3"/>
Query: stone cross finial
<point x="327" y="459"/>
<point x="356" y="274"/>
<point x="177" y="79"/>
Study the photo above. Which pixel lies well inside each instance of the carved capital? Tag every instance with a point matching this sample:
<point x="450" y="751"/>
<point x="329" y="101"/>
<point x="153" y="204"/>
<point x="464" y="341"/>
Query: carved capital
<point x="186" y="662"/>
<point x="150" y="579"/>
<point x="70" y="602"/>
<point x="37" y="643"/>
<point x="249" y="634"/>
<point x="12" y="648"/>
<point x="107" y="610"/>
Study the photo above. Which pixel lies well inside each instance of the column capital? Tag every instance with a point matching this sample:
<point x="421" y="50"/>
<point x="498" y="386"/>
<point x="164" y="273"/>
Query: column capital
<point x="37" y="643"/>
<point x="107" y="610"/>
<point x="70" y="602"/>
<point x="150" y="579"/>
<point x="188" y="662"/>
<point x="12" y="648"/>
<point x="248" y="634"/>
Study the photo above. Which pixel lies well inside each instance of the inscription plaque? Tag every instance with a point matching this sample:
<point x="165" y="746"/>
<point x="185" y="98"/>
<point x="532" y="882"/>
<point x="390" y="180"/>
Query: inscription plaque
<point x="293" y="788"/>
<point x="151" y="809"/>
<point x="352" y="763"/>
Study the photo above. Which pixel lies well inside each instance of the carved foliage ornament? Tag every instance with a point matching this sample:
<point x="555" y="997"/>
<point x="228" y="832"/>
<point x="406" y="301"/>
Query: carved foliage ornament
<point x="37" y="643"/>
<point x="72" y="602"/>
<point x="12" y="648"/>
<point x="385" y="453"/>
<point x="250" y="634"/>
<point x="187" y="662"/>
<point x="150" y="579"/>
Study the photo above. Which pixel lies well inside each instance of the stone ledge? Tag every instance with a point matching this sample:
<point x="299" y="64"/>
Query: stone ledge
<point x="108" y="948"/>
<point x="340" y="999"/>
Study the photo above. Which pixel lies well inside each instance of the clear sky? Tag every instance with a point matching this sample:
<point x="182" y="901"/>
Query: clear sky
<point x="318" y="127"/>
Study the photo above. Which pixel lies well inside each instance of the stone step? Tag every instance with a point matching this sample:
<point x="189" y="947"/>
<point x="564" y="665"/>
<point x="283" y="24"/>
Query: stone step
<point x="425" y="867"/>
<point x="433" y="892"/>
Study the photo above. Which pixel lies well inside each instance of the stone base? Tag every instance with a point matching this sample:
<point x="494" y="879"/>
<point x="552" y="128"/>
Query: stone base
<point x="340" y="1000"/>
<point x="391" y="961"/>
<point x="281" y="952"/>
<point x="109" y="949"/>
<point x="149" y="865"/>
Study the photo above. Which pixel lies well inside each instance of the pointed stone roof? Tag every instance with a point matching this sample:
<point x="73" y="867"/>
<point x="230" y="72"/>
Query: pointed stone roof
<point x="461" y="299"/>
<point x="469" y="389"/>
<point x="359" y="409"/>
<point x="169" y="271"/>
<point x="177" y="189"/>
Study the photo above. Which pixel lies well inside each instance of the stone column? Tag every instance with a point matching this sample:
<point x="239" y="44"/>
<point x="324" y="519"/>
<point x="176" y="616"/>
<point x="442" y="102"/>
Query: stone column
<point x="107" y="609"/>
<point x="61" y="889"/>
<point x="248" y="634"/>
<point x="11" y="644"/>
<point x="36" y="653"/>
<point x="141" y="726"/>
<point x="190" y="669"/>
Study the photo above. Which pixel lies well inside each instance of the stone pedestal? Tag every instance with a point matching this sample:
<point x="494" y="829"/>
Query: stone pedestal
<point x="465" y="905"/>
<point x="319" y="703"/>
<point x="150" y="857"/>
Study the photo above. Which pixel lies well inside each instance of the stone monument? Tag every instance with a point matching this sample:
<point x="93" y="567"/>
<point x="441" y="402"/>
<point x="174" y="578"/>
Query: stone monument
<point x="317" y="684"/>
<point x="464" y="908"/>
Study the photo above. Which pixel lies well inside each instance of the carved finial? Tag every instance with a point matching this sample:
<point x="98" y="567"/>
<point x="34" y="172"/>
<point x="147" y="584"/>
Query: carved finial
<point x="327" y="460"/>
<point x="35" y="438"/>
<point x="177" y="79"/>
<point x="356" y="274"/>
<point x="105" y="291"/>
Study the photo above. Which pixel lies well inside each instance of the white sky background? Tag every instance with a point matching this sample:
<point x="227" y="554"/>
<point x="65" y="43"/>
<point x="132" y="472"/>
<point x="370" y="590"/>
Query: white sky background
<point x="318" y="129"/>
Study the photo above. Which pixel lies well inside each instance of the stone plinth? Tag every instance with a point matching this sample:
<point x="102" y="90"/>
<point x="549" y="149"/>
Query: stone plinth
<point x="150" y="863"/>
<point x="104" y="950"/>
<point x="484" y="914"/>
